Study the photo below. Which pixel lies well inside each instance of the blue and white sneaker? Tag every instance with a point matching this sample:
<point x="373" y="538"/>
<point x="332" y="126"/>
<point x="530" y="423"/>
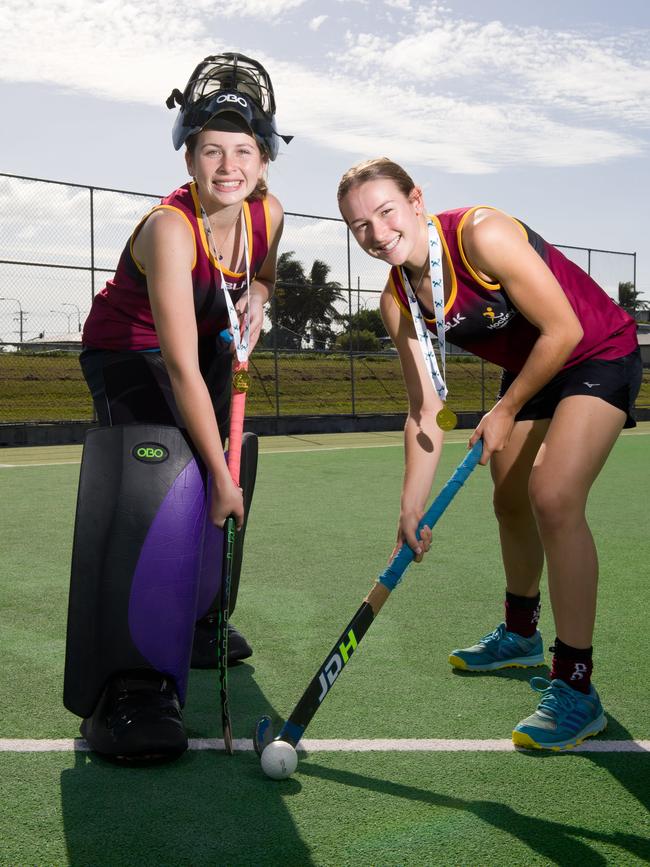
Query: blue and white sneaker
<point x="500" y="649"/>
<point x="563" y="719"/>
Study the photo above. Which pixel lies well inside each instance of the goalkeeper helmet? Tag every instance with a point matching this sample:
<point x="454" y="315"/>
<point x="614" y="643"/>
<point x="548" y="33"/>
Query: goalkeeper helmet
<point x="228" y="83"/>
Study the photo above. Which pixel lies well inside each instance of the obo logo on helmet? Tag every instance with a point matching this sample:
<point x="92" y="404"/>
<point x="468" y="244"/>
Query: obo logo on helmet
<point x="232" y="97"/>
<point x="214" y="86"/>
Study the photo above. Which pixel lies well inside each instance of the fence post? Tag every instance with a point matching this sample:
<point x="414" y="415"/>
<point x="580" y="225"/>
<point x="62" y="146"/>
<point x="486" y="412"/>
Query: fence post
<point x="352" y="395"/>
<point x="92" y="267"/>
<point x="92" y="245"/>
<point x="274" y="328"/>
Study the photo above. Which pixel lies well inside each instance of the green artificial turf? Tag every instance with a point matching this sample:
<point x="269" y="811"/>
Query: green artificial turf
<point x="322" y="526"/>
<point x="338" y="809"/>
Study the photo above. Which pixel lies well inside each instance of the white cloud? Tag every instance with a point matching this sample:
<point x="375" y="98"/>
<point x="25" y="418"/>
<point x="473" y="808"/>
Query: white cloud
<point x="552" y="69"/>
<point x="594" y="79"/>
<point x="120" y="51"/>
<point x="316" y="22"/>
<point x="265" y="9"/>
<point x="443" y="92"/>
<point x="371" y="119"/>
<point x="45" y="222"/>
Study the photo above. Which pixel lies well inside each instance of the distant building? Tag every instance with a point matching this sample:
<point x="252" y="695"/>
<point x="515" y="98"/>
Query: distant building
<point x="44" y="342"/>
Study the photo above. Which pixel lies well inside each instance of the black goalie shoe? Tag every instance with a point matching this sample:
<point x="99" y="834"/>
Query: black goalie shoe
<point x="137" y="719"/>
<point x="204" y="649"/>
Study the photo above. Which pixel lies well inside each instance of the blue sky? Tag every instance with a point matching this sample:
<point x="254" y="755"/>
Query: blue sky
<point x="541" y="109"/>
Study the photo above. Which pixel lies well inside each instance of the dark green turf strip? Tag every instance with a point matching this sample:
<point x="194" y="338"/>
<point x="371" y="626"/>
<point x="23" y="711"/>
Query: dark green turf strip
<point x="339" y="809"/>
<point x="37" y="516"/>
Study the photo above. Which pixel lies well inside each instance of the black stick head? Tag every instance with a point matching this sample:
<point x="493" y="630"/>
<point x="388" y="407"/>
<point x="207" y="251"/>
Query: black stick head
<point x="263" y="734"/>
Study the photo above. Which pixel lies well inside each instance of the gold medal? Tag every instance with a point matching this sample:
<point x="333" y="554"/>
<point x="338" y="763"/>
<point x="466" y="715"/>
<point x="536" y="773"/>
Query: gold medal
<point x="241" y="380"/>
<point x="446" y="419"/>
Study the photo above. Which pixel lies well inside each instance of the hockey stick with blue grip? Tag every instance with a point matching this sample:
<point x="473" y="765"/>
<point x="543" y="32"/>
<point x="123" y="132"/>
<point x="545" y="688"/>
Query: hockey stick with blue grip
<point x="320" y="685"/>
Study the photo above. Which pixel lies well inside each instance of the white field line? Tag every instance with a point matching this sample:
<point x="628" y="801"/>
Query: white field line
<point x="328" y="449"/>
<point x="289" y="451"/>
<point x="44" y="464"/>
<point x="402" y="745"/>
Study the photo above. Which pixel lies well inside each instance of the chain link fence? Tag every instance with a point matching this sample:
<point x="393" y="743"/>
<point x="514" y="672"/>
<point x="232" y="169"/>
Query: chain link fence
<point x="60" y="242"/>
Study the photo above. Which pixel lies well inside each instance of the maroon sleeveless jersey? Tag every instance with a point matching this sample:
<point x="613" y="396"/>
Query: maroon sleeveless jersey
<point x="481" y="318"/>
<point x="120" y="317"/>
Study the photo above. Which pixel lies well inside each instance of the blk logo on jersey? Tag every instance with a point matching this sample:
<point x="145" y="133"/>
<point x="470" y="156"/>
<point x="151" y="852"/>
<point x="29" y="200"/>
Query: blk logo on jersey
<point x="454" y="321"/>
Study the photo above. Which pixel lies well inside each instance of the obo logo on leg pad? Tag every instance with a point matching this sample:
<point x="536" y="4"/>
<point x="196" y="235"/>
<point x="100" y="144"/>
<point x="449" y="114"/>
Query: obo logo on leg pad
<point x="150" y="453"/>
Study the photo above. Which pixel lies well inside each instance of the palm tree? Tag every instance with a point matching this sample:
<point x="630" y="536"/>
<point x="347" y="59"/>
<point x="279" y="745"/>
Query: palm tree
<point x="303" y="306"/>
<point x="364" y="320"/>
<point x="630" y="299"/>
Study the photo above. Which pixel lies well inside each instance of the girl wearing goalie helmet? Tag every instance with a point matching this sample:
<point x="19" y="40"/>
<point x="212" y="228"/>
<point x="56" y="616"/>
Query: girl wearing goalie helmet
<point x="158" y="347"/>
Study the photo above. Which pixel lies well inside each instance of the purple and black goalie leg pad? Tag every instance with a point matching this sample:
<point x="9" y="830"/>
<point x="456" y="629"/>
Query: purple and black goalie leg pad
<point x="212" y="559"/>
<point x="204" y="651"/>
<point x="139" y="529"/>
<point x="211" y="563"/>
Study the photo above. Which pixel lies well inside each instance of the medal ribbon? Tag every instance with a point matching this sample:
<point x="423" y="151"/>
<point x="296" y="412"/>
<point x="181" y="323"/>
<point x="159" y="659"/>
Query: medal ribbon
<point x="241" y="340"/>
<point x="438" y="298"/>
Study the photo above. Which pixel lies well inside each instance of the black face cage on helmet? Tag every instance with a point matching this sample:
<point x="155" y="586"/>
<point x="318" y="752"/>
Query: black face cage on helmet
<point x="219" y="75"/>
<point x="231" y="72"/>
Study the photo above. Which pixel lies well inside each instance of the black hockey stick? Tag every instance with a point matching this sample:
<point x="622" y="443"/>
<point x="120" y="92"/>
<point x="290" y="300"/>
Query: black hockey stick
<point x="320" y="685"/>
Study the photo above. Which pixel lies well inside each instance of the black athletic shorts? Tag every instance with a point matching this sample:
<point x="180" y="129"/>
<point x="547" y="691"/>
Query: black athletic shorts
<point x="134" y="387"/>
<point x="617" y="382"/>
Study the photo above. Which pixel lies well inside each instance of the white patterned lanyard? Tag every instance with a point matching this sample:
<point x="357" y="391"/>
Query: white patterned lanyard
<point x="438" y="297"/>
<point x="241" y="341"/>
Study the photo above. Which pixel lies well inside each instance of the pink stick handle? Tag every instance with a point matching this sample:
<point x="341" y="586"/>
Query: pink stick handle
<point x="237" y="409"/>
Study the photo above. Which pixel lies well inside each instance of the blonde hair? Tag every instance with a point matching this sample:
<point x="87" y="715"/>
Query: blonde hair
<point x="371" y="170"/>
<point x="261" y="191"/>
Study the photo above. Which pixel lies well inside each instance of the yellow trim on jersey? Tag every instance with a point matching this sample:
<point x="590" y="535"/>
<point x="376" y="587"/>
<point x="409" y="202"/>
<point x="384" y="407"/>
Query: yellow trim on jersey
<point x="267" y="220"/>
<point x="204" y="240"/>
<point x="249" y="231"/>
<point x="454" y="283"/>
<point x="493" y="287"/>
<point x="404" y="310"/>
<point x="138" y="228"/>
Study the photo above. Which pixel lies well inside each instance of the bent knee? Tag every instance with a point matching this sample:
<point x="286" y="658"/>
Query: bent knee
<point x="511" y="507"/>
<point x="556" y="506"/>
